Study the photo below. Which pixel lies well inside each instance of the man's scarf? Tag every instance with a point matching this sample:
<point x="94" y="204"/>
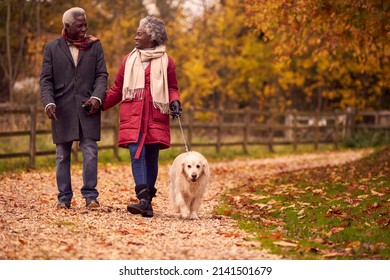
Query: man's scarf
<point x="134" y="77"/>
<point x="83" y="44"/>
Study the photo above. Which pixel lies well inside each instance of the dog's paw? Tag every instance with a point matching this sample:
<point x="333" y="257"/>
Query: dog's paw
<point x="185" y="214"/>
<point x="194" y="216"/>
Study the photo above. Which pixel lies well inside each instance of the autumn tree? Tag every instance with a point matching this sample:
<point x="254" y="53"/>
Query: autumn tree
<point x="116" y="25"/>
<point x="224" y="63"/>
<point x="338" y="48"/>
<point x="15" y="30"/>
<point x="314" y="54"/>
<point x="29" y="25"/>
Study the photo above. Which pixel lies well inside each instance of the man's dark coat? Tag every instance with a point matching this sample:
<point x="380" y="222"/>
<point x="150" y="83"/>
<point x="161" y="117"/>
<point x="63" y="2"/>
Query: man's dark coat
<point x="68" y="86"/>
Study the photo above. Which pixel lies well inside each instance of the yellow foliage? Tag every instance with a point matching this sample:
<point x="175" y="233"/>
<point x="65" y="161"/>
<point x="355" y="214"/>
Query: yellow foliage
<point x="330" y="45"/>
<point x="244" y="53"/>
<point x="206" y="116"/>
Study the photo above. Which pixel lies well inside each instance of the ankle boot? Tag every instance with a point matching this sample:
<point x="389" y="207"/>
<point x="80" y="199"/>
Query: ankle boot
<point x="149" y="212"/>
<point x="142" y="192"/>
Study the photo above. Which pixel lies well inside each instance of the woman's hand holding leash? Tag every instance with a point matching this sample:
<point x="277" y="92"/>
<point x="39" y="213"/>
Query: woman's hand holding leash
<point x="176" y="114"/>
<point x="175" y="109"/>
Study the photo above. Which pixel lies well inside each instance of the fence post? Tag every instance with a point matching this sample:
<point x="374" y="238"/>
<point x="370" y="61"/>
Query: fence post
<point x="294" y="131"/>
<point x="336" y="130"/>
<point x="33" y="134"/>
<point x="270" y="123"/>
<point x="316" y="130"/>
<point x="350" y="122"/>
<point x="246" y="129"/>
<point x="219" y="130"/>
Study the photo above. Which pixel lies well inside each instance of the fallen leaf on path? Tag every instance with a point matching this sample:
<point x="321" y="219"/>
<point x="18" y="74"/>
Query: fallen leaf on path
<point x="267" y="222"/>
<point x="318" y="191"/>
<point x="228" y="233"/>
<point x="335" y="211"/>
<point x="262" y="205"/>
<point x="285" y="244"/>
<point x="23" y="242"/>
<point x="381" y="245"/>
<point x="272" y="201"/>
<point x="334" y="230"/>
<point x="277" y="235"/>
<point x="125" y="231"/>
<point x="354" y="244"/>
<point x="104" y="243"/>
<point x="257" y="196"/>
<point x="330" y="255"/>
<point x="377" y="193"/>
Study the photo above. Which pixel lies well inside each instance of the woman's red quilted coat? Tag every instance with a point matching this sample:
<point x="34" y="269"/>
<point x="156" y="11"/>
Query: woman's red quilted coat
<point x="139" y="115"/>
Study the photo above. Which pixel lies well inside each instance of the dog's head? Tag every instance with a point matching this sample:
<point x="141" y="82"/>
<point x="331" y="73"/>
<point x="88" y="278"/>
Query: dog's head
<point x="194" y="166"/>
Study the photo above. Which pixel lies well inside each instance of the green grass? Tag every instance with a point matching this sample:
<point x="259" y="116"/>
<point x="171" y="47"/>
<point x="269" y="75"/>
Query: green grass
<point x="329" y="212"/>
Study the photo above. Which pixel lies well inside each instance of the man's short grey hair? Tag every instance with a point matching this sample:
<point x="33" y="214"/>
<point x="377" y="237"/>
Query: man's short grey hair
<point x="71" y="14"/>
<point x="155" y="28"/>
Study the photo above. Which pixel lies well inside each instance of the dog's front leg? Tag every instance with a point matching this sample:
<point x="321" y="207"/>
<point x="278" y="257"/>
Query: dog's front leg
<point x="195" y="204"/>
<point x="181" y="203"/>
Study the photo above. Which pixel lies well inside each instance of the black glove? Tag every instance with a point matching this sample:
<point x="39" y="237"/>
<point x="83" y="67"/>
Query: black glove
<point x="175" y="109"/>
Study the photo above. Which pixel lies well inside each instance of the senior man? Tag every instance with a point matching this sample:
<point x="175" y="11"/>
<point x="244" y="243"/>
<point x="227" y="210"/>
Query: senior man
<point x="73" y="84"/>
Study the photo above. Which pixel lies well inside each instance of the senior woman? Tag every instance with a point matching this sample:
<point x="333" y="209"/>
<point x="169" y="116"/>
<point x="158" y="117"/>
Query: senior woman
<point x="147" y="90"/>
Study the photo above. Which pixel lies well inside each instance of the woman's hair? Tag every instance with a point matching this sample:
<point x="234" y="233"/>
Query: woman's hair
<point x="155" y="28"/>
<point x="71" y="14"/>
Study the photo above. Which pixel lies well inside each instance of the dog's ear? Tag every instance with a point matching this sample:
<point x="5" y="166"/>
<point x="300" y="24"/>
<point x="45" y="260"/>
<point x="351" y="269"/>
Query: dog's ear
<point x="183" y="167"/>
<point x="206" y="168"/>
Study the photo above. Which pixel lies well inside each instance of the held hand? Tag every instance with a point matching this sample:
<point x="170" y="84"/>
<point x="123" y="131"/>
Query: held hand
<point x="175" y="109"/>
<point x="51" y="112"/>
<point x="91" y="106"/>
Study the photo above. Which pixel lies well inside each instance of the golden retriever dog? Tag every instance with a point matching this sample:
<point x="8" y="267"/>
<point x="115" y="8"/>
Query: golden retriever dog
<point x="189" y="176"/>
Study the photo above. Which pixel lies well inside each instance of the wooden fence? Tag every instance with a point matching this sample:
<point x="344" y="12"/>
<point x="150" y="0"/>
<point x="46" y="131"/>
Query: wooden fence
<point x="250" y="127"/>
<point x="215" y="128"/>
<point x="38" y="125"/>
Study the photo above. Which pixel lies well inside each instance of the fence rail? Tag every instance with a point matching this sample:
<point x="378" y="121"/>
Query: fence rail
<point x="31" y="113"/>
<point x="270" y="128"/>
<point x="216" y="129"/>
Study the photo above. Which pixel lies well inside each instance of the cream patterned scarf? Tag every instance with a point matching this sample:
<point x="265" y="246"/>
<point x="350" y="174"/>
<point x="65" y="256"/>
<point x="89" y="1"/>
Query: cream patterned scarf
<point x="134" y="77"/>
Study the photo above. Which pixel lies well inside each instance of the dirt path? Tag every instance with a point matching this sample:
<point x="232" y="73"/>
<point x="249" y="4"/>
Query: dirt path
<point x="31" y="227"/>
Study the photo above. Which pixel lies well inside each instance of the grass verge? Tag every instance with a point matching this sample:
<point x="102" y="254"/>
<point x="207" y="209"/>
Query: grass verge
<point x="340" y="212"/>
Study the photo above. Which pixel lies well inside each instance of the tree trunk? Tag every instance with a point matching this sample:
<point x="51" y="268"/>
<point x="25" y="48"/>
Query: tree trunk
<point x="9" y="72"/>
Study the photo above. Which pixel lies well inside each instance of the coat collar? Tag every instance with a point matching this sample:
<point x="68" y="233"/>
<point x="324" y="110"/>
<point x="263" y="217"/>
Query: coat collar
<point x="65" y="48"/>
